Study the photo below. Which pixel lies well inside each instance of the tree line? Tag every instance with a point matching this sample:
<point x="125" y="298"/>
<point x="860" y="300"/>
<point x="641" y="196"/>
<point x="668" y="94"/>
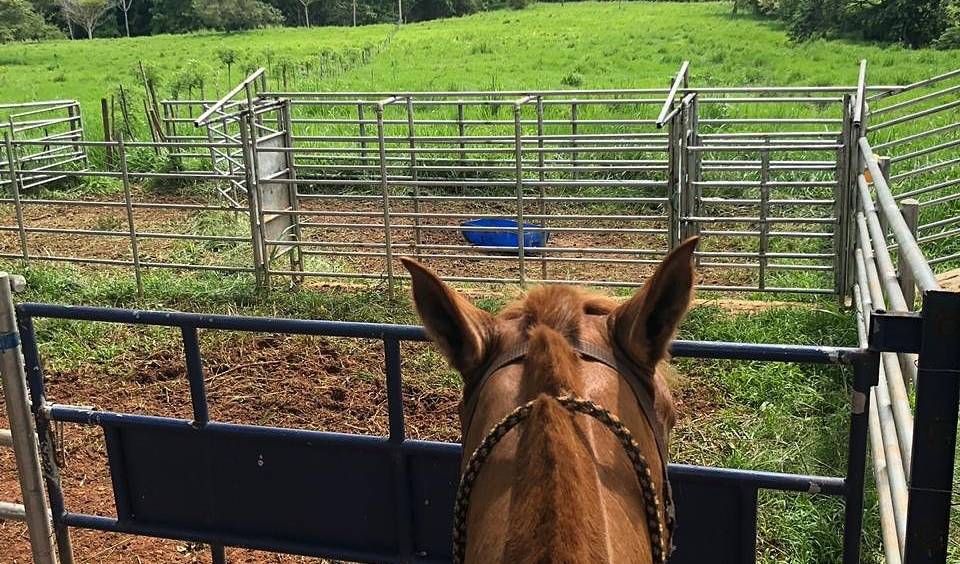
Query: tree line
<point x="26" y="20"/>
<point x="914" y="23"/>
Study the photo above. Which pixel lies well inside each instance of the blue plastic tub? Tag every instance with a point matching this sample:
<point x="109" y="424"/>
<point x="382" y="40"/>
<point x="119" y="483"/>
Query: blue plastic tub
<point x="506" y="238"/>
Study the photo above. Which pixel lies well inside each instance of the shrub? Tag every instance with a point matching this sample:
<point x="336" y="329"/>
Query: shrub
<point x="236" y="15"/>
<point x="19" y="22"/>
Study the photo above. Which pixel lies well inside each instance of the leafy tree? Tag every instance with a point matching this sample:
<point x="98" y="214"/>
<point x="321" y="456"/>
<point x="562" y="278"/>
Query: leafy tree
<point x="19" y="22"/>
<point x="236" y="15"/>
<point x="86" y="13"/>
<point x="173" y="16"/>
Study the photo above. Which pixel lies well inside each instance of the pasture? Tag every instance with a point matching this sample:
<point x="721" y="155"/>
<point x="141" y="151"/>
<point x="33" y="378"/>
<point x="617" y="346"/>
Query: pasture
<point x="785" y="418"/>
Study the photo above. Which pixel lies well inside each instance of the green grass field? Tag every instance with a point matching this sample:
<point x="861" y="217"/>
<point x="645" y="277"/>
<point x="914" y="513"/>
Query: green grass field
<point x="769" y="417"/>
<point x="592" y="45"/>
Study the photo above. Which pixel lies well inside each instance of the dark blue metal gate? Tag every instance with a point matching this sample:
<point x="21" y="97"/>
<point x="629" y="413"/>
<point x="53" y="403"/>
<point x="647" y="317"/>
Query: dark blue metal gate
<point x="374" y="499"/>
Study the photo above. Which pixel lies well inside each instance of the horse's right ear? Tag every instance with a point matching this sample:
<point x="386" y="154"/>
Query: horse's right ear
<point x="462" y="330"/>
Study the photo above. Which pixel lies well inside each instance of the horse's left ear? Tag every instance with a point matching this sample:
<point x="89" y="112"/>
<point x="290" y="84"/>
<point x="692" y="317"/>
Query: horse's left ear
<point x="461" y="330"/>
<point x="643" y="327"/>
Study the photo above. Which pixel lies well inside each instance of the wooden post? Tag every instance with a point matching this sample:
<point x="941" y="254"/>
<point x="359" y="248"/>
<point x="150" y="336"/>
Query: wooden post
<point x="105" y="116"/>
<point x="910" y="208"/>
<point x="884" y="163"/>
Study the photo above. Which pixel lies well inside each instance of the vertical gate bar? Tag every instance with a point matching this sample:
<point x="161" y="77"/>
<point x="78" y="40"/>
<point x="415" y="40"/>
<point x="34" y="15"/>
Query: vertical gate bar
<point x="764" y="214"/>
<point x="748" y="525"/>
<point x="293" y="191"/>
<point x="839" y="212"/>
<point x="15" y="192"/>
<point x="169" y="114"/>
<point x="255" y="122"/>
<point x="695" y="158"/>
<point x="131" y="226"/>
<point x="462" y="132"/>
<point x="411" y="136"/>
<point x="23" y="430"/>
<point x="48" y="457"/>
<point x="198" y="389"/>
<point x="541" y="163"/>
<point x="76" y="125"/>
<point x="392" y="362"/>
<point x="363" y="134"/>
<point x="518" y="163"/>
<point x="385" y="187"/>
<point x="854" y="168"/>
<point x="573" y="133"/>
<point x="673" y="182"/>
<point x="934" y="431"/>
<point x="866" y="372"/>
<point x="255" y="240"/>
<point x="687" y="190"/>
<point x="218" y="554"/>
<point x="393" y="368"/>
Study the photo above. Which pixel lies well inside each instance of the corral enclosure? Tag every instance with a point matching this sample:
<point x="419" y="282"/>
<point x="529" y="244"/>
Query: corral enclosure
<point x="343" y="183"/>
<point x="333" y="186"/>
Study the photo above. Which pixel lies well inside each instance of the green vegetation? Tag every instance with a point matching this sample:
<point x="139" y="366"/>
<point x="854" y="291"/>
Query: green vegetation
<point x="916" y="23"/>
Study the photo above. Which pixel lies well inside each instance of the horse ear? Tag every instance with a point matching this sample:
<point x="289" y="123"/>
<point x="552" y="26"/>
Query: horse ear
<point x="461" y="330"/>
<point x="643" y="327"/>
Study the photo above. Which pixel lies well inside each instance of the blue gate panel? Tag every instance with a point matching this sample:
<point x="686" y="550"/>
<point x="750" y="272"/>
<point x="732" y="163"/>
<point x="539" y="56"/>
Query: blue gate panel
<point x="264" y="489"/>
<point x="715" y="523"/>
<point x="434" y="476"/>
<point x="327" y="494"/>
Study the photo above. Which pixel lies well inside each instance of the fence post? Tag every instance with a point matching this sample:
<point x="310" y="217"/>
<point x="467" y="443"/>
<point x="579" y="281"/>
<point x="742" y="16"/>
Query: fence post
<point x="22" y="427"/>
<point x="128" y="200"/>
<point x="107" y="128"/>
<point x="934" y="431"/>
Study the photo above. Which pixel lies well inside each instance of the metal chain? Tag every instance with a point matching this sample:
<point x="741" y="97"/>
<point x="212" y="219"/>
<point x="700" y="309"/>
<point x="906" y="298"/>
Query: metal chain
<point x="655" y="526"/>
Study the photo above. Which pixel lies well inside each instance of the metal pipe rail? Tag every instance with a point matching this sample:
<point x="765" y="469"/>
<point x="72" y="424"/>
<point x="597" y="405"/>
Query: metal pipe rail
<point x="925" y="278"/>
<point x="206" y="116"/>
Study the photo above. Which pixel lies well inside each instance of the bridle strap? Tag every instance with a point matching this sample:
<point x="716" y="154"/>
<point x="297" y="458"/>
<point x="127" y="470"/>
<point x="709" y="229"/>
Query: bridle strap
<point x="625" y="369"/>
<point x="655" y="526"/>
